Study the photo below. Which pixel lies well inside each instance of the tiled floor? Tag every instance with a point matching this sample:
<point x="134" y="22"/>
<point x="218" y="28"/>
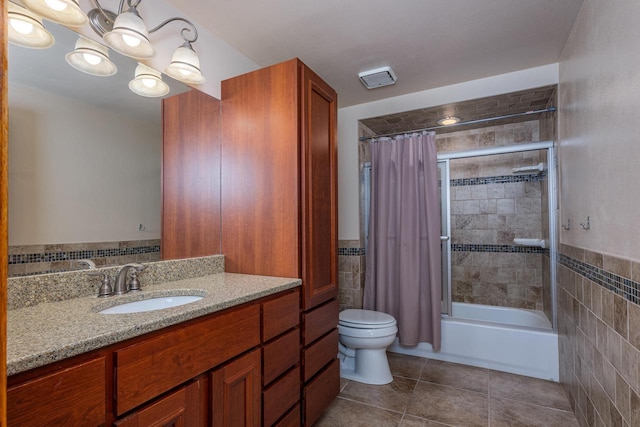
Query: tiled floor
<point x="430" y="393"/>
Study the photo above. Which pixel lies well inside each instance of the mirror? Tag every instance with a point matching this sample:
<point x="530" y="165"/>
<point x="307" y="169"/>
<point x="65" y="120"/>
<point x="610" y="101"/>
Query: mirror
<point x="84" y="162"/>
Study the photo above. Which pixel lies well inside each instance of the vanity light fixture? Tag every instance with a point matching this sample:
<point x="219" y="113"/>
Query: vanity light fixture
<point x="124" y="31"/>
<point x="25" y="28"/>
<point x="128" y="35"/>
<point x="148" y="82"/>
<point x="65" y="12"/>
<point x="91" y="57"/>
<point x="448" y="121"/>
<point x="185" y="65"/>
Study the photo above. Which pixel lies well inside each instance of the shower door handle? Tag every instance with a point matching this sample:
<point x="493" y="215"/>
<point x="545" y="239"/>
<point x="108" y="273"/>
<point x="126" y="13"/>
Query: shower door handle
<point x="443" y="238"/>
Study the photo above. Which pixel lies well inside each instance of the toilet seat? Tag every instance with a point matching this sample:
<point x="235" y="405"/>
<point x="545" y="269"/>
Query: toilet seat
<point x="365" y="319"/>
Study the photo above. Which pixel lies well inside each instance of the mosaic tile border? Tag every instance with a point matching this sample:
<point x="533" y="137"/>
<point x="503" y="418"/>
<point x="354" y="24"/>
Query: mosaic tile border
<point x="352" y="251"/>
<point x="84" y="254"/>
<point x="463" y="247"/>
<point x="626" y="288"/>
<point x="502" y="179"/>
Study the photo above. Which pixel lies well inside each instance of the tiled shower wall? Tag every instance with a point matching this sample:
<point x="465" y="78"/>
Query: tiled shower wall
<point x="598" y="297"/>
<point x="486" y="215"/>
<point x="490" y="206"/>
<point x="39" y="259"/>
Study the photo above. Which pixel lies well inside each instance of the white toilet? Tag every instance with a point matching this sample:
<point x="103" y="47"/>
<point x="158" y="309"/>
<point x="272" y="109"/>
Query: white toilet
<point x="364" y="337"/>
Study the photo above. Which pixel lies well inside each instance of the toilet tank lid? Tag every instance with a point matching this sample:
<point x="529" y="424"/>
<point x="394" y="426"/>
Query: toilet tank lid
<point x="369" y="317"/>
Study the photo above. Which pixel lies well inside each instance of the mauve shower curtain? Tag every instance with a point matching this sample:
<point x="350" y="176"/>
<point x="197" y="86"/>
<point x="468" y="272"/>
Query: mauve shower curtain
<point x="403" y="254"/>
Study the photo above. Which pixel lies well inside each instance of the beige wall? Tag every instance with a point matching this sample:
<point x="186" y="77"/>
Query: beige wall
<point x="599" y="113"/>
<point x="79" y="173"/>
<point x="598" y="270"/>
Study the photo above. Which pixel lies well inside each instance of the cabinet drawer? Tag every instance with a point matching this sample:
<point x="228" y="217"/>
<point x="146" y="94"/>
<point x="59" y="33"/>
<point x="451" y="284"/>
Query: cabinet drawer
<point x="281" y="396"/>
<point x="180" y="408"/>
<point x="280" y="355"/>
<point x="321" y="391"/>
<point x="74" y="396"/>
<point x="292" y="419"/>
<point x="280" y="315"/>
<point x="316" y="356"/>
<point x="147" y="369"/>
<point x="319" y="321"/>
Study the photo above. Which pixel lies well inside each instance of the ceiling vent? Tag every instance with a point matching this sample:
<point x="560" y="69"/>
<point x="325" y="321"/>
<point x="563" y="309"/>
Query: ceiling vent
<point x="377" y="78"/>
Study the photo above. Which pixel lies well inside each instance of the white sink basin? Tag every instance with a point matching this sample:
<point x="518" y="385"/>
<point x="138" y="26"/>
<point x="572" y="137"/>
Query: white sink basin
<point x="151" y="304"/>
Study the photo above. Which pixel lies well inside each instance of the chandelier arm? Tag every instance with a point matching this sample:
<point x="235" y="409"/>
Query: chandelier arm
<point x="102" y="10"/>
<point x="182" y="32"/>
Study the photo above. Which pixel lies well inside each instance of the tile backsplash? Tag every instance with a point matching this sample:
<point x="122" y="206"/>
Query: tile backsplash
<point x="28" y="291"/>
<point x="39" y="259"/>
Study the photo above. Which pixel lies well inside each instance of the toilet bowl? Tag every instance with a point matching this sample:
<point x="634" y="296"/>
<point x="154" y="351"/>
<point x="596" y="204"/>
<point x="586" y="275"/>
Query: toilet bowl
<point x="364" y="336"/>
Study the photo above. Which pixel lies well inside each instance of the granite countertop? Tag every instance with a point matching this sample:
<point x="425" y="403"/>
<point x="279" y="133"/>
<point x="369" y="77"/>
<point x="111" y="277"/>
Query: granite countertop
<point x="53" y="331"/>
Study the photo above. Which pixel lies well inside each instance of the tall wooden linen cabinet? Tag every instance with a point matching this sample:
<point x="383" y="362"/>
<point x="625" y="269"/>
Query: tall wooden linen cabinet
<point x="279" y="204"/>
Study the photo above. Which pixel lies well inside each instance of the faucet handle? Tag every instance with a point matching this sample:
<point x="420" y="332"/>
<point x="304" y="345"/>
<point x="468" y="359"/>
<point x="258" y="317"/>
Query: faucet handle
<point x="105" y="288"/>
<point x="134" y="283"/>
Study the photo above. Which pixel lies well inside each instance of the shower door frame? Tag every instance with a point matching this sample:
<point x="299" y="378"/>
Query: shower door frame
<point x="445" y="158"/>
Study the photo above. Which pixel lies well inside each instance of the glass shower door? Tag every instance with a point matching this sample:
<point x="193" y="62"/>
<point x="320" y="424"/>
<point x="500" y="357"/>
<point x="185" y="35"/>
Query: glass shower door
<point x="445" y="234"/>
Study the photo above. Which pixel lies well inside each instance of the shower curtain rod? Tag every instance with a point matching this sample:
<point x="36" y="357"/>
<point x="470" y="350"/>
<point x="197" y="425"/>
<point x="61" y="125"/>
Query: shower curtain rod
<point x="470" y="122"/>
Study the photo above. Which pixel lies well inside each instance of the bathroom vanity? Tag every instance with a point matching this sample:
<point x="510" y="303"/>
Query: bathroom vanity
<point x="232" y="358"/>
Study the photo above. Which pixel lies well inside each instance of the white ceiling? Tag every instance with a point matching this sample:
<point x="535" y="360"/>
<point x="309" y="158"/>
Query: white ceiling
<point x="428" y="43"/>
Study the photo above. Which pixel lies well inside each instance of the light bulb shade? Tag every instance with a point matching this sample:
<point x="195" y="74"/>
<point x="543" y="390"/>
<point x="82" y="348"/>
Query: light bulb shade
<point x="25" y="28"/>
<point x="185" y="65"/>
<point x="130" y="36"/>
<point x="66" y="12"/>
<point x="91" y="58"/>
<point x="148" y="82"/>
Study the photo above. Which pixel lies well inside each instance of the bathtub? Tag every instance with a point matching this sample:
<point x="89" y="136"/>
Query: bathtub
<point x="500" y="338"/>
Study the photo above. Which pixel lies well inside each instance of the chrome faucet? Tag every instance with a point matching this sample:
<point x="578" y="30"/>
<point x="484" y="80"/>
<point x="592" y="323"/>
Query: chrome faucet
<point x="121" y="278"/>
<point x="87" y="262"/>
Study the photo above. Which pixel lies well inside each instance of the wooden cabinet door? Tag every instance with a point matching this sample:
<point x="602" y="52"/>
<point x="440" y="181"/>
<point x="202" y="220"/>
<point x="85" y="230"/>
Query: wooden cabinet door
<point x="73" y="396"/>
<point x="235" y="392"/>
<point x="178" y="409"/>
<point x="319" y="190"/>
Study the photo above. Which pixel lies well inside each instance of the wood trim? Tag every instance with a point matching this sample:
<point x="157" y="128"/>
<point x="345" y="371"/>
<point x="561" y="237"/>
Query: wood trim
<point x="4" y="215"/>
<point x="319" y="189"/>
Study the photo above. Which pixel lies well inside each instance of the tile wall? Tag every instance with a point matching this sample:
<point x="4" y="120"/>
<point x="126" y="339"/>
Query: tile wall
<point x="351" y="271"/>
<point x="490" y="206"/>
<point x="598" y="306"/>
<point x="39" y="259"/>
